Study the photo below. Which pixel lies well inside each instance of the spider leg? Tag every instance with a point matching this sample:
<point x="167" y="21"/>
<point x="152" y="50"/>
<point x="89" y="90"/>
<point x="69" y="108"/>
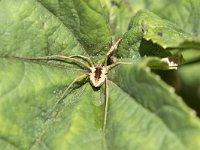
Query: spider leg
<point x="106" y="107"/>
<point x="116" y="64"/>
<point x="113" y="48"/>
<point x="88" y="59"/>
<point x="60" y="58"/>
<point x="68" y="90"/>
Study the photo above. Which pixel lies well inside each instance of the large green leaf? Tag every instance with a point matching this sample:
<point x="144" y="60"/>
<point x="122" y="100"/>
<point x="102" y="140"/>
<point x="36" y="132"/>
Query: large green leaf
<point x="164" y="109"/>
<point x="28" y="120"/>
<point x="39" y="28"/>
<point x="144" y="113"/>
<point x="162" y="104"/>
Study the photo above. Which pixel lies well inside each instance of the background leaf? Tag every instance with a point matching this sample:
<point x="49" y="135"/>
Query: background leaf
<point x="186" y="81"/>
<point x="184" y="16"/>
<point x="150" y="35"/>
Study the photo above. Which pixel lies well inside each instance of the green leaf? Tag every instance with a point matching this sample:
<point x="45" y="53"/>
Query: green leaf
<point x="118" y="17"/>
<point x="143" y="113"/>
<point x="119" y="14"/>
<point x="85" y="19"/>
<point x="28" y="93"/>
<point x="167" y="114"/>
<point x="40" y="28"/>
<point x="150" y="35"/>
<point x="161" y="64"/>
<point x="185" y="13"/>
<point x="28" y="120"/>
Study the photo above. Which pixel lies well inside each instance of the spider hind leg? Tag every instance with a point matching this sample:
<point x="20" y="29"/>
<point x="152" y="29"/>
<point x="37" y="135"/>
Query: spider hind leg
<point x="68" y="90"/>
<point x="106" y="106"/>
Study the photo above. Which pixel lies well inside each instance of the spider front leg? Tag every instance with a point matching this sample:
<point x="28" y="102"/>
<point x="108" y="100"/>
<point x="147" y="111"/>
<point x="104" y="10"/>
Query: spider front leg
<point x="61" y="58"/>
<point x="113" y="48"/>
<point x="118" y="63"/>
<point x="88" y="59"/>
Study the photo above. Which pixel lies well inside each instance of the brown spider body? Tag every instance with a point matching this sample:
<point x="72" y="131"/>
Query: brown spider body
<point x="98" y="75"/>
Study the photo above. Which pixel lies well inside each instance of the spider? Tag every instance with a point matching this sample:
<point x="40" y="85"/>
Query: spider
<point x="97" y="74"/>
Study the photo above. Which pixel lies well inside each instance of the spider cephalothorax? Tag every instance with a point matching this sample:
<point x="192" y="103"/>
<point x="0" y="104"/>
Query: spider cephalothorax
<point x="98" y="75"/>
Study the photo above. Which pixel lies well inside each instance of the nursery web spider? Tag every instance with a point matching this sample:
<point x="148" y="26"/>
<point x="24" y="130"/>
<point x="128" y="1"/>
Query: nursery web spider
<point x="97" y="74"/>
